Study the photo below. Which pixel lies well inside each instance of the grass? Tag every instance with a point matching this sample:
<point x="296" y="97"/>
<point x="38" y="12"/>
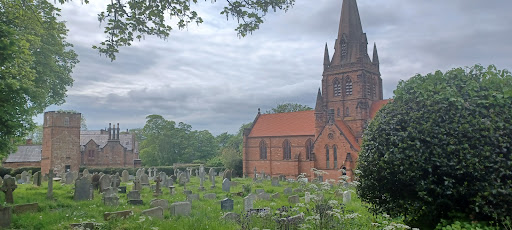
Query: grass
<point x="206" y="214"/>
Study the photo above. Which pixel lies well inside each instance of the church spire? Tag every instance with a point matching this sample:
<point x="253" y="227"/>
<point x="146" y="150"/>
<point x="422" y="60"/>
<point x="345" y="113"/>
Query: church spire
<point x="319" y="102"/>
<point x="375" y="59"/>
<point x="327" y="60"/>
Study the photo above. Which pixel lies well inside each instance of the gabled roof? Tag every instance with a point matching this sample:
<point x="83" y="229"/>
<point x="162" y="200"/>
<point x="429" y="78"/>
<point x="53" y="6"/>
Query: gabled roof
<point x="26" y="153"/>
<point x="285" y="124"/>
<point x="348" y="134"/>
<point x="376" y="105"/>
<point x="102" y="139"/>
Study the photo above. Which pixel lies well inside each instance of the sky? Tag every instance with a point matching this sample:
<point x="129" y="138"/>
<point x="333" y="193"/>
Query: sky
<point x="209" y="78"/>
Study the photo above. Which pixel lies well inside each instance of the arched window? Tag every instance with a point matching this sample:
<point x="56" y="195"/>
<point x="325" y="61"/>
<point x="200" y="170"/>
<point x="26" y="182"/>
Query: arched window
<point x="309" y="149"/>
<point x="337" y="87"/>
<point x="335" y="155"/>
<point x="339" y="112"/>
<point x="327" y="156"/>
<point x="348" y="86"/>
<point x="347" y="112"/>
<point x="287" y="150"/>
<point x="263" y="150"/>
<point x="374" y="90"/>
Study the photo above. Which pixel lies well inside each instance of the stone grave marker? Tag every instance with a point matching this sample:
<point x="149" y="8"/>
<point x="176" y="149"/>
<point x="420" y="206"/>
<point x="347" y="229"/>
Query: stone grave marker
<point x="171" y="190"/>
<point x="157" y="212"/>
<point x="68" y="178"/>
<point x="96" y="181"/>
<point x="120" y="214"/>
<point x="347" y="197"/>
<point x="23" y="208"/>
<point x="8" y="188"/>
<point x="181" y="208"/>
<point x="137" y="185"/>
<point x="18" y="178"/>
<point x="255" y="174"/>
<point x="192" y="197"/>
<point x="307" y="197"/>
<point x="37" y="179"/>
<point x="275" y="181"/>
<point x="293" y="199"/>
<point x="83" y="190"/>
<point x="282" y="178"/>
<point x="231" y="216"/>
<point x="210" y="196"/>
<point x="211" y="174"/>
<point x="226" y="185"/>
<point x="259" y="190"/>
<point x="226" y="204"/>
<point x="49" y="192"/>
<point x="228" y="174"/>
<point x="116" y="181"/>
<point x="201" y="175"/>
<point x="159" y="203"/>
<point x="276" y="195"/>
<point x="125" y="176"/>
<point x="297" y="190"/>
<point x="133" y="195"/>
<point x="85" y="172"/>
<point x="157" y="191"/>
<point x="221" y="174"/>
<point x="5" y="216"/>
<point x="144" y="180"/>
<point x="25" y="177"/>
<point x="105" y="182"/>
<point x="248" y="202"/>
<point x="263" y="196"/>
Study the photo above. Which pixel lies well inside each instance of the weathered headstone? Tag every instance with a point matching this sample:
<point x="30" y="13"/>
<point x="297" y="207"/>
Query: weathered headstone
<point x="307" y="197"/>
<point x="133" y="195"/>
<point x="116" y="181"/>
<point x="211" y="174"/>
<point x="105" y="182"/>
<point x="144" y="180"/>
<point x="157" y="212"/>
<point x="228" y="174"/>
<point x="226" y="185"/>
<point x="263" y="196"/>
<point x="8" y="188"/>
<point x="248" y="202"/>
<point x="96" y="181"/>
<point x="347" y="197"/>
<point x="85" y="172"/>
<point x="83" y="189"/>
<point x="37" y="179"/>
<point x="231" y="216"/>
<point x="157" y="191"/>
<point x="276" y="195"/>
<point x="201" y="175"/>
<point x="69" y="178"/>
<point x="137" y="185"/>
<point x="293" y="199"/>
<point x="5" y="216"/>
<point x="159" y="203"/>
<point x="255" y="174"/>
<point x="275" y="181"/>
<point x="226" y="204"/>
<point x="282" y="177"/>
<point x="125" y="176"/>
<point x="171" y="190"/>
<point x="49" y="192"/>
<point x="210" y="196"/>
<point x="192" y="197"/>
<point x="181" y="208"/>
<point x="111" y="200"/>
<point x="25" y="177"/>
<point x="120" y="214"/>
<point x="259" y="190"/>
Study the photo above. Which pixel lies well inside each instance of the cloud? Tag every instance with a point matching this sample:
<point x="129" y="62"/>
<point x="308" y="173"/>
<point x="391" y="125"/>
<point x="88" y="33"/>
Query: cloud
<point x="208" y="77"/>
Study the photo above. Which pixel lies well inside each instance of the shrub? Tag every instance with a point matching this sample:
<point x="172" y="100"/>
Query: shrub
<point x="30" y="170"/>
<point x="443" y="145"/>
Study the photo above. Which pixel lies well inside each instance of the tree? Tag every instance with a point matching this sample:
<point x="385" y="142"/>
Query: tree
<point x="231" y="151"/>
<point x="289" y="107"/>
<point x="442" y="146"/>
<point x="132" y="19"/>
<point x="35" y="65"/>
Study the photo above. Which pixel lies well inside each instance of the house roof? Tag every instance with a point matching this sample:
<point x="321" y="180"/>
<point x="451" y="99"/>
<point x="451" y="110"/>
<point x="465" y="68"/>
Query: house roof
<point x="102" y="139"/>
<point x="285" y="124"/>
<point x="376" y="106"/>
<point x="348" y="133"/>
<point x="25" y="153"/>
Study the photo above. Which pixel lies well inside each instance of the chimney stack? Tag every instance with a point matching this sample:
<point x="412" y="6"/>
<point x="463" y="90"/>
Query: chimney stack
<point x="114" y="132"/>
<point x="109" y="131"/>
<point x="118" y="130"/>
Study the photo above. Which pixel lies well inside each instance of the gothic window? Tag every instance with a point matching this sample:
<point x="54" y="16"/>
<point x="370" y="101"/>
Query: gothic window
<point x="344" y="48"/>
<point x="91" y="153"/>
<point x="337" y="87"/>
<point x="335" y="155"/>
<point x="287" y="150"/>
<point x="348" y="87"/>
<point x="368" y="89"/>
<point x="374" y="90"/>
<point x="66" y="121"/>
<point x="339" y="112"/>
<point x="263" y="150"/>
<point x="347" y="112"/>
<point x="327" y="156"/>
<point x="309" y="149"/>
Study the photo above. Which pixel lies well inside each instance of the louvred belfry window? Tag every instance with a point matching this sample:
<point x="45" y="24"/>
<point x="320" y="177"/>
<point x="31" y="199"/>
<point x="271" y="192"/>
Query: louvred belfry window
<point x="348" y="87"/>
<point x="337" y="87"/>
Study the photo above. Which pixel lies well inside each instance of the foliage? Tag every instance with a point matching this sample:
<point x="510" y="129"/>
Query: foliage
<point x="232" y="149"/>
<point x="442" y="145"/>
<point x="35" y="65"/>
<point x="166" y="142"/>
<point x="232" y="159"/>
<point x="14" y="172"/>
<point x="132" y="19"/>
<point x="36" y="135"/>
<point x="289" y="107"/>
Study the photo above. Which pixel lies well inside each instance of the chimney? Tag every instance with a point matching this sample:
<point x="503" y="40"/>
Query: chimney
<point x="114" y="132"/>
<point x="109" y="131"/>
<point x="118" y="130"/>
<point x="29" y="142"/>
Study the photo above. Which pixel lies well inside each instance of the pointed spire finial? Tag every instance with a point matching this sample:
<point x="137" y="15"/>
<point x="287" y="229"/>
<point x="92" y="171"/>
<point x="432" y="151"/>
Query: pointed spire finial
<point x="319" y="101"/>
<point x="327" y="61"/>
<point x="375" y="59"/>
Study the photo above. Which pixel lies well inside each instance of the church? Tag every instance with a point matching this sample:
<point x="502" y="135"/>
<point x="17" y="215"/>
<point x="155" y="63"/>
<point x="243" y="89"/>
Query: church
<point x="327" y="138"/>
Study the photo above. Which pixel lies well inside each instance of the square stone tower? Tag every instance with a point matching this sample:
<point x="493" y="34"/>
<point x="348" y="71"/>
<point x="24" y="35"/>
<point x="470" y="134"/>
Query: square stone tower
<point x="61" y="142"/>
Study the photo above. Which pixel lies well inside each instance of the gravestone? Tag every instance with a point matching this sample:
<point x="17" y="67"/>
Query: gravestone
<point x="181" y="208"/>
<point x="282" y="178"/>
<point x="8" y="188"/>
<point x="297" y="190"/>
<point x="192" y="197"/>
<point x="163" y="177"/>
<point x="226" y="204"/>
<point x="136" y="202"/>
<point x="320" y="178"/>
<point x="276" y="196"/>
<point x="210" y="196"/>
<point x="182" y="178"/>
<point x="307" y="197"/>
<point x="211" y="174"/>
<point x="5" y="217"/>
<point x="144" y="180"/>
<point x="137" y="185"/>
<point x="25" y="177"/>
<point x="158" y="191"/>
<point x="18" y="179"/>
<point x="138" y="173"/>
<point x="248" y="202"/>
<point x="293" y="199"/>
<point x="231" y="216"/>
<point x="68" y="178"/>
<point x="156" y="212"/>
<point x="133" y="195"/>
<point x="226" y="185"/>
<point x="83" y="190"/>
<point x="125" y="176"/>
<point x="105" y="182"/>
<point x="221" y="174"/>
<point x="263" y="196"/>
<point x="85" y="172"/>
<point x="120" y="214"/>
<point x="347" y="197"/>
<point x="116" y="181"/>
<point x="23" y="208"/>
<point x="49" y="192"/>
<point x="228" y="174"/>
<point x="96" y="181"/>
<point x="187" y="192"/>
<point x="37" y="179"/>
<point x="171" y="190"/>
<point x="164" y="204"/>
<point x="201" y="177"/>
<point x="275" y="181"/>
<point x="111" y="200"/>
<point x="259" y="190"/>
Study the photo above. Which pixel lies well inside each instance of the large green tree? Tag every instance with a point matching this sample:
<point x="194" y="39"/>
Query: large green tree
<point x="35" y="65"/>
<point x="289" y="107"/>
<point x="442" y="146"/>
<point x="127" y="20"/>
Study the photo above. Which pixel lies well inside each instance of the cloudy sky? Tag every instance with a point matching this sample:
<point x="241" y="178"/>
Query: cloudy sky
<point x="209" y="78"/>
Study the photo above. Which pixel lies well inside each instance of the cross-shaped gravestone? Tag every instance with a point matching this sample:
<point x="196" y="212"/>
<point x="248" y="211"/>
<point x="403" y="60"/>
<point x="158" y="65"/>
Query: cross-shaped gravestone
<point x="8" y="187"/>
<point x="49" y="193"/>
<point x="136" y="184"/>
<point x="115" y="181"/>
<point x="158" y="192"/>
<point x="212" y="177"/>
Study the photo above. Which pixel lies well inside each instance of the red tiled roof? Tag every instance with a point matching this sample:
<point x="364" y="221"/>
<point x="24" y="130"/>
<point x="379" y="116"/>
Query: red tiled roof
<point x="348" y="133"/>
<point x="376" y="105"/>
<point x="285" y="124"/>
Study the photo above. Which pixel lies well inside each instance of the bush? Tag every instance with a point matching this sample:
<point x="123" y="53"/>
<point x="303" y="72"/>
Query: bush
<point x="30" y="170"/>
<point x="4" y="171"/>
<point x="443" y="145"/>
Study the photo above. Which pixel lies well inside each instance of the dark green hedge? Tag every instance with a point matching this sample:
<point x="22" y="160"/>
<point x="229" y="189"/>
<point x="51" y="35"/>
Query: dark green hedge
<point x="13" y="172"/>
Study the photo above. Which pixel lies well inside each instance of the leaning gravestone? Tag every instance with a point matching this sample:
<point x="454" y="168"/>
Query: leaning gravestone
<point x="37" y="179"/>
<point x="83" y="189"/>
<point x="125" y="176"/>
<point x="157" y="212"/>
<point x="288" y="191"/>
<point x="164" y="204"/>
<point x="226" y="185"/>
<point x="104" y="182"/>
<point x="8" y="188"/>
<point x="226" y="204"/>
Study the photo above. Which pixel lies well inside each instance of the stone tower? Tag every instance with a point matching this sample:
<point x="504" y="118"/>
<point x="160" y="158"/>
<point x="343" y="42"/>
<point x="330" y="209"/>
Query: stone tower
<point x="61" y="142"/>
<point x="351" y="81"/>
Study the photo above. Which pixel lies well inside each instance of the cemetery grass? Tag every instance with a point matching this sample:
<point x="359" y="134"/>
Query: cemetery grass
<point x="62" y="211"/>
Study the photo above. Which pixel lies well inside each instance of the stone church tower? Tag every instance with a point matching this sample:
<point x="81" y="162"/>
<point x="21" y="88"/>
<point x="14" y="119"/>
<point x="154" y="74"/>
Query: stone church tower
<point x="351" y="81"/>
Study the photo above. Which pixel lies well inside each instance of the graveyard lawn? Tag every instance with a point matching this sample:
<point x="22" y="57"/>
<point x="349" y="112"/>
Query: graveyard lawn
<point x="206" y="213"/>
